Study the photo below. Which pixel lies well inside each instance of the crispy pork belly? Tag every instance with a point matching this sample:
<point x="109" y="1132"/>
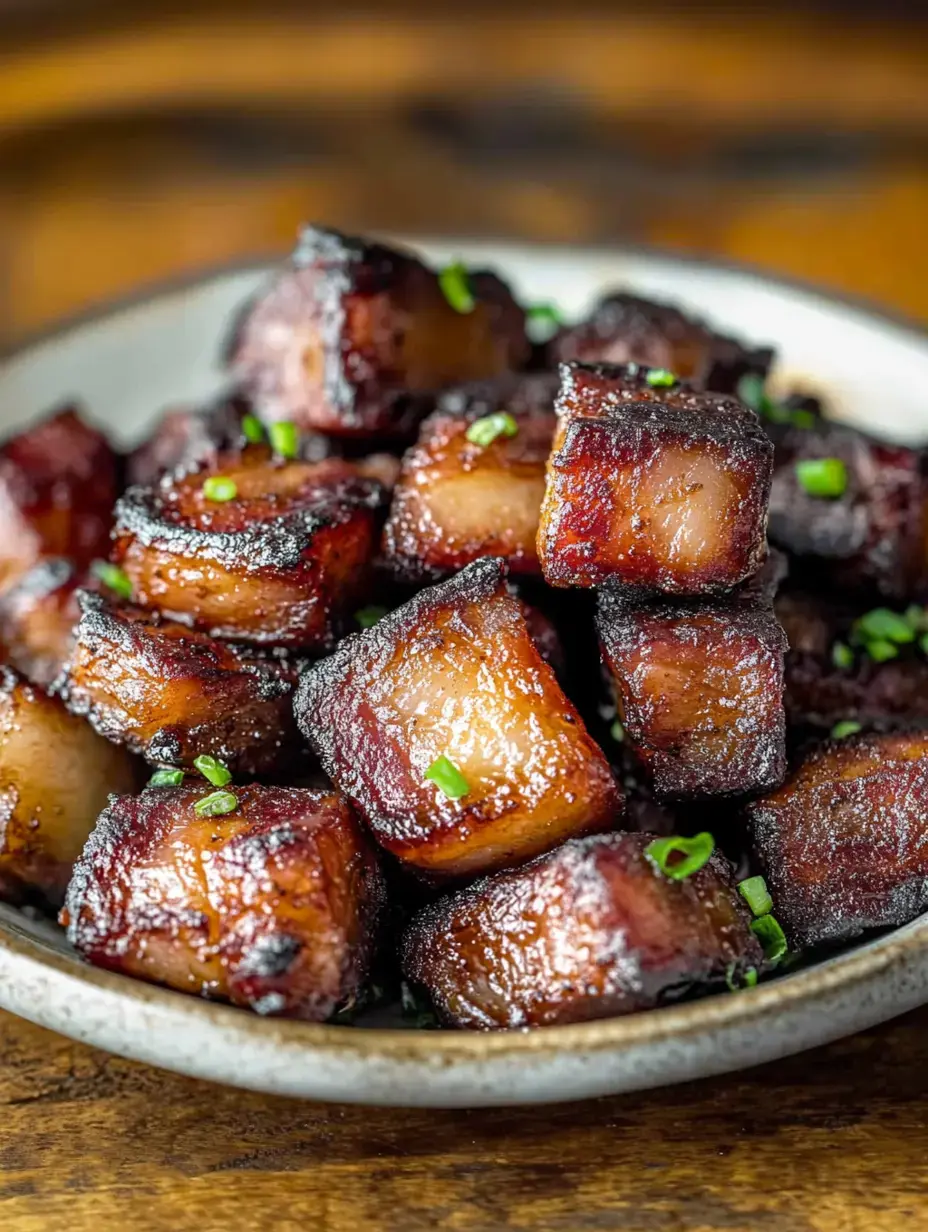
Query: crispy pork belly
<point x="591" y="930"/>
<point x="253" y="550"/>
<point x="55" y="776"/>
<point x="38" y="614"/>
<point x="844" y="842"/>
<point x="174" y="694"/>
<point x="58" y="482"/>
<point x="660" y="488"/>
<point x="624" y="328"/>
<point x="450" y="735"/>
<point x="699" y="689"/>
<point x="274" y="905"/>
<point x="354" y="338"/>
<point x="462" y="496"/>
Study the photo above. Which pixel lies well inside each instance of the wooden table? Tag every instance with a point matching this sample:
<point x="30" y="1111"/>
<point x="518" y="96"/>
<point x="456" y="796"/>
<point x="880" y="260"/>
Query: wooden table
<point x="138" y="147"/>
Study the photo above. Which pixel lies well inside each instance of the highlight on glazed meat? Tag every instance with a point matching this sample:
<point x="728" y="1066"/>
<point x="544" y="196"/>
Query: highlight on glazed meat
<point x="55" y="776"/>
<point x="255" y="549"/>
<point x="450" y="735"/>
<point x="174" y="694"/>
<point x="275" y="906"/>
<point x="473" y="484"/>
<point x="844" y="842"/>
<point x="38" y="613"/>
<point x="354" y="338"/>
<point x="652" y="485"/>
<point x="591" y="930"/>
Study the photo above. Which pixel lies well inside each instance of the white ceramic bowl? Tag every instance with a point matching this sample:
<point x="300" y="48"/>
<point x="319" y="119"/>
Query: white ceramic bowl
<point x="129" y="363"/>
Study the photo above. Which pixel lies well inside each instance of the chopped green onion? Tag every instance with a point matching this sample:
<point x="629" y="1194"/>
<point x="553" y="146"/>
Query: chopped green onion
<point x="917" y="617"/>
<point x="455" y="286"/>
<point x="617" y="731"/>
<point x="253" y="429"/>
<point x="216" y="804"/>
<point x="751" y="391"/>
<point x="771" y="936"/>
<point x="166" y="778"/>
<point x="367" y="617"/>
<point x="695" y="851"/>
<point x="218" y="488"/>
<point x="660" y="378"/>
<point x="750" y="977"/>
<point x="542" y="322"/>
<point x="484" y="431"/>
<point x="842" y="655"/>
<point x="847" y="727"/>
<point x="113" y="577"/>
<point x="825" y="477"/>
<point x="285" y="438"/>
<point x="755" y="893"/>
<point x="214" y="770"/>
<point x="447" y="778"/>
<point x="880" y="651"/>
<point x="801" y="418"/>
<point x="883" y="625"/>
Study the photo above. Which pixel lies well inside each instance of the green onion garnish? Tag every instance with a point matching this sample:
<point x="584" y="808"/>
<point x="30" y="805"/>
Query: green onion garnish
<point x="617" y="731"/>
<point x="750" y="977"/>
<point x="285" y="438"/>
<point x="771" y="936"/>
<point x="660" y="378"/>
<point x="755" y="893"/>
<point x="695" y="851"/>
<point x="218" y="488"/>
<point x="212" y="769"/>
<point x="542" y="321"/>
<point x="166" y="778"/>
<point x="826" y="477"/>
<point x="916" y="617"/>
<point x="880" y="651"/>
<point x="216" y="804"/>
<point x="752" y="393"/>
<point x="253" y="429"/>
<point x="847" y="727"/>
<point x="447" y="778"/>
<point x="484" y="431"/>
<point x="116" y="579"/>
<point x="883" y="625"/>
<point x="367" y="617"/>
<point x="455" y="286"/>
<point x="842" y="655"/>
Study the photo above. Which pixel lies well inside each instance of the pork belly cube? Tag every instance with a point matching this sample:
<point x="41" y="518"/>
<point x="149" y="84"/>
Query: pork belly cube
<point x="592" y="930"/>
<point x="844" y="842"/>
<point x="460" y="498"/>
<point x="666" y="491"/>
<point x="55" y="776"/>
<point x="283" y="913"/>
<point x="58" y="482"/>
<point x="450" y="735"/>
<point x="38" y="614"/>
<point x="624" y="328"/>
<point x="354" y="338"/>
<point x="699" y="689"/>
<point x="255" y="549"/>
<point x="174" y="694"/>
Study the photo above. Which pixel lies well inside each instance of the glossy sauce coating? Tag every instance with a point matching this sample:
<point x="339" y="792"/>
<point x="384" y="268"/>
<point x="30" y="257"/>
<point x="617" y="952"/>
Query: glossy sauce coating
<point x="38" y="614"/>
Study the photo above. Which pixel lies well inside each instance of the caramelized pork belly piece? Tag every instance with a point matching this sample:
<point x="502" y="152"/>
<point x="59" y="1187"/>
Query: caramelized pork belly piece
<point x="665" y="491"/>
<point x="592" y="930"/>
<point x="55" y="776"/>
<point x="844" y="842"/>
<point x="623" y="329"/>
<point x="354" y="338"/>
<point x="173" y="694"/>
<point x="38" y="614"/>
<point x="58" y="482"/>
<point x="459" y="499"/>
<point x="275" y="905"/>
<point x="872" y="535"/>
<point x="188" y="437"/>
<point x="699" y="688"/>
<point x="452" y="685"/>
<point x="254" y="550"/>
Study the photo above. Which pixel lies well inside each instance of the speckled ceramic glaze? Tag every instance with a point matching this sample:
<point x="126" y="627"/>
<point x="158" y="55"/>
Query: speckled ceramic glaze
<point x="126" y="366"/>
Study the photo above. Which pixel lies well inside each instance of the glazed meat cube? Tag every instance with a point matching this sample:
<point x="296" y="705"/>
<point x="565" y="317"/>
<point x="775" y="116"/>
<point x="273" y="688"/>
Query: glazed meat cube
<point x="38" y="614"/>
<point x="665" y="490"/>
<point x="174" y="694"/>
<point x="354" y="338"/>
<point x="592" y="930"/>
<point x="463" y="495"/>
<point x="254" y="550"/>
<point x="623" y="329"/>
<point x="449" y="734"/>
<point x="275" y="904"/>
<point x="55" y="776"/>
<point x="58" y="482"/>
<point x="844" y="843"/>
<point x="699" y="688"/>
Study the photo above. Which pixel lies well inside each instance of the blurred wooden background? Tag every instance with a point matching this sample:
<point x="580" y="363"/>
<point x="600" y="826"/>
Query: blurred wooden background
<point x="137" y="142"/>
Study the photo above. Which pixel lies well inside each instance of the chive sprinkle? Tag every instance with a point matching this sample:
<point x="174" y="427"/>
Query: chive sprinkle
<point x="842" y="655"/>
<point x="455" y="286"/>
<point x="752" y="393"/>
<point x="731" y="977"/>
<point x="824" y="477"/>
<point x="484" y="431"/>
<point x="916" y="617"/>
<point x="542" y="321"/>
<point x="116" y="579"/>
<point x="883" y="625"/>
<point x="617" y="731"/>
<point x="881" y="651"/>
<point x="771" y="936"/>
<point x="755" y="893"/>
<point x="285" y="438"/>
<point x="367" y="617"/>
<point x="216" y="804"/>
<point x="213" y="769"/>
<point x="660" y="378"/>
<point x="219" y="488"/>
<point x="695" y="851"/>
<point x="447" y="778"/>
<point x="847" y="727"/>
<point x="253" y="429"/>
<point x="166" y="778"/>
